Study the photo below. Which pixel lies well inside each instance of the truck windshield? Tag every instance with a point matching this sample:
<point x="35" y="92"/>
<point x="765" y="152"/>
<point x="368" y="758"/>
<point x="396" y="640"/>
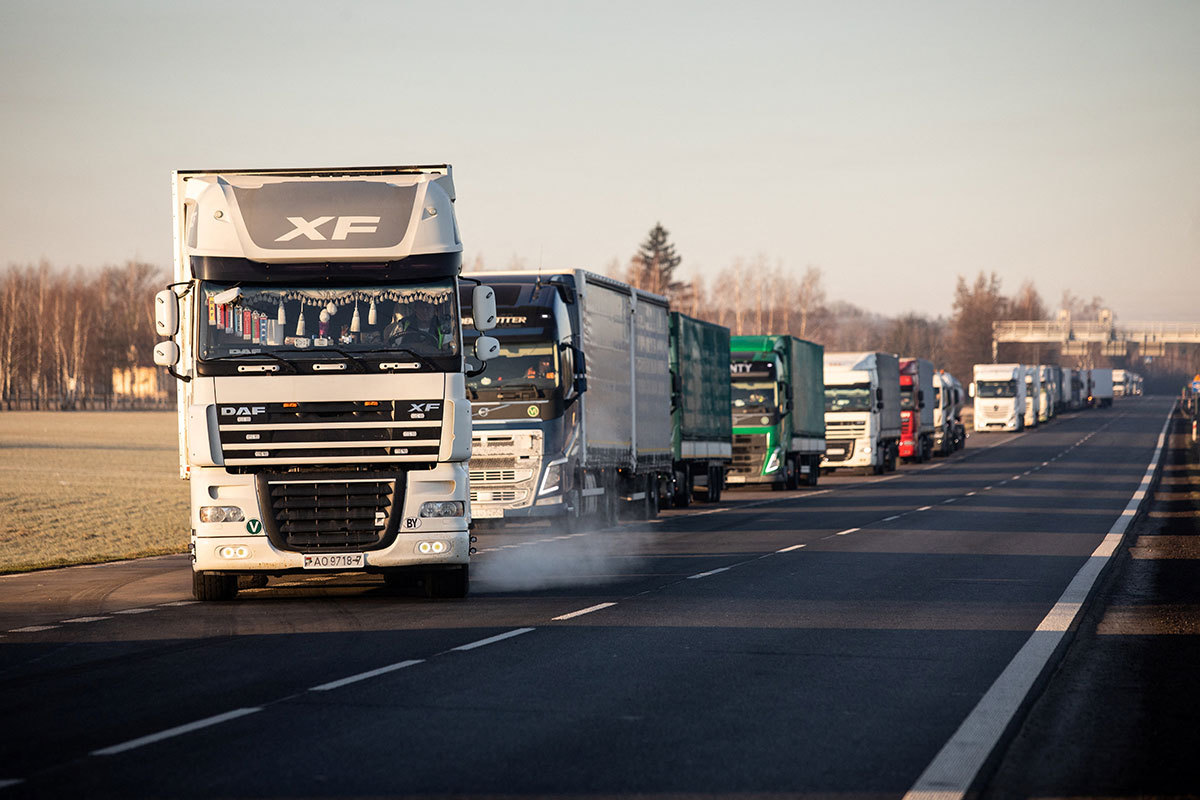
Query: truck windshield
<point x="996" y="388"/>
<point x="519" y="366"/>
<point x="906" y="398"/>
<point x="312" y="321"/>
<point x="757" y="396"/>
<point x="851" y="397"/>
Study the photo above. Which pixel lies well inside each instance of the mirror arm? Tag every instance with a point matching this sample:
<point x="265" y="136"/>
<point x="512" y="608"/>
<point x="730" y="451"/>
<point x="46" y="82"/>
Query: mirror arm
<point x="177" y="376"/>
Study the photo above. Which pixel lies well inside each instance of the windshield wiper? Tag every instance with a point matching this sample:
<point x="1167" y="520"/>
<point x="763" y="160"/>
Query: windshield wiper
<point x="358" y="365"/>
<point x="268" y="354"/>
<point x="422" y="360"/>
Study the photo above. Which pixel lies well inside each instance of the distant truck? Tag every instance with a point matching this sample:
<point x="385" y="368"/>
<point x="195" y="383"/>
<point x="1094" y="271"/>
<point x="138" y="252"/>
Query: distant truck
<point x="1120" y="383"/>
<point x="313" y="324"/>
<point x="777" y="411"/>
<point x="916" y="409"/>
<point x="701" y="427"/>
<point x="949" y="434"/>
<point x="572" y="420"/>
<point x="1033" y="396"/>
<point x="999" y="393"/>
<point x="1074" y="395"/>
<point x="862" y="411"/>
<point x="1102" y="387"/>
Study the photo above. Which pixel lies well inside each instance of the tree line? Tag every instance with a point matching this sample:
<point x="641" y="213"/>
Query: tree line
<point x="75" y="338"/>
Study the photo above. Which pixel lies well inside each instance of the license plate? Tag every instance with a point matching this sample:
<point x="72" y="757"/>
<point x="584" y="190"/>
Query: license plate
<point x="335" y="561"/>
<point x="483" y="512"/>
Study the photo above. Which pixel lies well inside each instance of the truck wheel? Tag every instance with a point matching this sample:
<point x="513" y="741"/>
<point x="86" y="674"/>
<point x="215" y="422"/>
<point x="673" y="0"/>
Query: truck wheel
<point x="683" y="489"/>
<point x="792" y="475"/>
<point x="207" y="586"/>
<point x="448" y="583"/>
<point x="889" y="463"/>
<point x="575" y="518"/>
<point x="716" y="484"/>
<point x="814" y="473"/>
<point x="650" y="506"/>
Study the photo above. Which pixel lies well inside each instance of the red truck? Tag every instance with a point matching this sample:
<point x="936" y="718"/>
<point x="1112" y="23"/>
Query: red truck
<point x="916" y="409"/>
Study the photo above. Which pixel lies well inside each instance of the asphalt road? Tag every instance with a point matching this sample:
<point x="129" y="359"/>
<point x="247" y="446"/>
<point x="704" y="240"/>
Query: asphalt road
<point x="812" y="643"/>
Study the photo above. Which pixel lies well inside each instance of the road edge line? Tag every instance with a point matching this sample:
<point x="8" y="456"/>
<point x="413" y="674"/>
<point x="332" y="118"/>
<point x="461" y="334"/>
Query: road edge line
<point x="957" y="767"/>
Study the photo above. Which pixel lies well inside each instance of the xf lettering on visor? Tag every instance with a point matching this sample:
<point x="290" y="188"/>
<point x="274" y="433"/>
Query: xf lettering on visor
<point x="341" y="229"/>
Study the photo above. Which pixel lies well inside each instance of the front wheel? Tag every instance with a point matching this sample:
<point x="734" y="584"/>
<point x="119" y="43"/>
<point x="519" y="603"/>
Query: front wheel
<point x="208" y="586"/>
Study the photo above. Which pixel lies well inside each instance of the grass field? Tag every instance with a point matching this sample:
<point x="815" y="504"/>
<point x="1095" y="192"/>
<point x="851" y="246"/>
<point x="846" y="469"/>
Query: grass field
<point x="83" y="487"/>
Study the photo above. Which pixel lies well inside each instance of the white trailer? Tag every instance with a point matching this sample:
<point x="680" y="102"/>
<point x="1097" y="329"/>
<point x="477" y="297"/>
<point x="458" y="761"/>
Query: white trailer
<point x="1033" y="397"/>
<point x="323" y="419"/>
<point x="1102" y="387"/>
<point x="999" y="392"/>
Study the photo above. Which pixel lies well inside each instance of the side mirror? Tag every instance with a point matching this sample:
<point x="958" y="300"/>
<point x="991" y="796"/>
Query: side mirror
<point x="971" y="389"/>
<point x="166" y="317"/>
<point x="580" y="370"/>
<point x="487" y="347"/>
<point x="920" y="398"/>
<point x="676" y="383"/>
<point x="166" y="354"/>
<point x="483" y="308"/>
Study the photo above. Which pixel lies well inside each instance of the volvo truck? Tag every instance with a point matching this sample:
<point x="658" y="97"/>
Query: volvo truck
<point x="572" y="419"/>
<point x="916" y="409"/>
<point x="862" y="411"/>
<point x="313" y="326"/>
<point x="777" y="411"/>
<point x="999" y="393"/>
<point x="701" y="393"/>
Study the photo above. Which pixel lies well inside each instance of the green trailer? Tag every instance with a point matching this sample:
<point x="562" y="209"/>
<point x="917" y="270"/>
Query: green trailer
<point x="778" y="411"/>
<point x="702" y="430"/>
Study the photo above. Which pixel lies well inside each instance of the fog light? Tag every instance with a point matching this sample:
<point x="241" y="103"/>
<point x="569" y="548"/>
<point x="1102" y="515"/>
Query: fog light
<point x="239" y="551"/>
<point x="434" y="548"/>
<point x="442" y="508"/>
<point x="221" y="514"/>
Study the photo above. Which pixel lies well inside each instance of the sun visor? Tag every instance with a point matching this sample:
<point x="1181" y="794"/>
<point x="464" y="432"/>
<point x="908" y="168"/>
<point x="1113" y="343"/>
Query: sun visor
<point x="280" y="219"/>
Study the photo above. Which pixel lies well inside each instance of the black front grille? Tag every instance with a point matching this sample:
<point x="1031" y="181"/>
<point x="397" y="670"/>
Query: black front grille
<point x="314" y="512"/>
<point x="845" y="445"/>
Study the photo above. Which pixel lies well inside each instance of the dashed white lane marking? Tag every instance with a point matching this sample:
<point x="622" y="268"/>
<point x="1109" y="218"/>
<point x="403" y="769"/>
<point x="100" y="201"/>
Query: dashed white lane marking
<point x="4" y="784"/>
<point x="86" y="619"/>
<point x="177" y="603"/>
<point x="951" y="499"/>
<point x="492" y="639"/>
<point x="955" y="768"/>
<point x="178" y="730"/>
<point x="924" y="508"/>
<point x="34" y="628"/>
<point x="362" y="676"/>
<point x="972" y="494"/>
<point x="790" y="549"/>
<point x="847" y="531"/>
<point x="890" y="519"/>
<point x="135" y="611"/>
<point x="583" y="611"/>
<point x="986" y="488"/>
<point x="710" y="572"/>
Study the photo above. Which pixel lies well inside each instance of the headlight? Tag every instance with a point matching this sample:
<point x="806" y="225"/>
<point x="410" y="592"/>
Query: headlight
<point x="552" y="477"/>
<point x="772" y="462"/>
<point x="221" y="514"/>
<point x="442" y="508"/>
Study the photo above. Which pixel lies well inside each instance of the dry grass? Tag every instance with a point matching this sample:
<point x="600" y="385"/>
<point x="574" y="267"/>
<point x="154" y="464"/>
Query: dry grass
<point x="85" y="487"/>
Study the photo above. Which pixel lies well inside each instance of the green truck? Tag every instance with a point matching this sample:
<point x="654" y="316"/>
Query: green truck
<point x="701" y="428"/>
<point x="778" y="409"/>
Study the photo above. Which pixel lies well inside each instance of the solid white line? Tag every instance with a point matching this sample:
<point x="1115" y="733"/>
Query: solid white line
<point x="176" y="731"/>
<point x="710" y="572"/>
<point x="955" y="767"/>
<point x="583" y="611"/>
<point x="86" y="619"/>
<point x="135" y="611"/>
<point x="34" y="628"/>
<point x="848" y="530"/>
<point x="790" y="549"/>
<point x="492" y="639"/>
<point x="362" y="676"/>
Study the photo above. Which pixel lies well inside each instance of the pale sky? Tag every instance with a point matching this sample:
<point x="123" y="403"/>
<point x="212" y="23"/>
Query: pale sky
<point x="893" y="144"/>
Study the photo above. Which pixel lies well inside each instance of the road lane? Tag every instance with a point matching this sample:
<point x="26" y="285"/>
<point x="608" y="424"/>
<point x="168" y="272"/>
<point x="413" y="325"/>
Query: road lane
<point x="783" y="671"/>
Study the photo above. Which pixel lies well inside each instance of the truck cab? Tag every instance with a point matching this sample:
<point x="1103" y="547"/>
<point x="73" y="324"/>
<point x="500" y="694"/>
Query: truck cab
<point x="323" y="419"/>
<point x="862" y="411"/>
<point x="916" y="409"/>
<point x="999" y="393"/>
<point x="1033" y="397"/>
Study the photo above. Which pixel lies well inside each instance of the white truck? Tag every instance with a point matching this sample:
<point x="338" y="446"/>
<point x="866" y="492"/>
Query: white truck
<point x="1102" y="387"/>
<point x="1033" y="396"/>
<point x="999" y="393"/>
<point x="1047" y="392"/>
<point x="323" y="418"/>
<point x="572" y="421"/>
<point x="949" y="434"/>
<point x="862" y="411"/>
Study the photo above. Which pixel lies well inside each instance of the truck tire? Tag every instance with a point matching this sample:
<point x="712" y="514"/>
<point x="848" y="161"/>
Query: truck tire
<point x="890" y="459"/>
<point x="683" y="489"/>
<point x="792" y="475"/>
<point x="448" y="584"/>
<point x="650" y="505"/>
<point x="814" y="472"/>
<point x="716" y="484"/>
<point x="207" y="586"/>
<point x="575" y="520"/>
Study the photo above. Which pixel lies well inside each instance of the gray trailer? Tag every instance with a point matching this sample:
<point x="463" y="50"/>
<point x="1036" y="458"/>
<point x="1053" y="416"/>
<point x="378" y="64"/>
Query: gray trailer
<point x="573" y="418"/>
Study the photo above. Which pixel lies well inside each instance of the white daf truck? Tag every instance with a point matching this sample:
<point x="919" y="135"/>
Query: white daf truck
<point x="999" y="392"/>
<point x="323" y="417"/>
<point x="862" y="411"/>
